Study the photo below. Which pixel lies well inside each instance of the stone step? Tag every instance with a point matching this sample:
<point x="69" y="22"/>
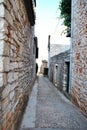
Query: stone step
<point x="48" y="129"/>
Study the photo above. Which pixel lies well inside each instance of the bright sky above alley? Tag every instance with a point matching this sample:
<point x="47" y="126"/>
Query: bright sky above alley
<point x="48" y="22"/>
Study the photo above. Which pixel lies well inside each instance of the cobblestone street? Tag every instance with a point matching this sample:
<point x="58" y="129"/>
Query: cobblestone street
<point x="49" y="109"/>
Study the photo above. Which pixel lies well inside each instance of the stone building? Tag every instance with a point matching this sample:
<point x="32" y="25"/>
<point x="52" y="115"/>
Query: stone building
<point x="78" y="58"/>
<point x="79" y="54"/>
<point x="43" y="66"/>
<point x="59" y="71"/>
<point x="55" y="49"/>
<point x="17" y="58"/>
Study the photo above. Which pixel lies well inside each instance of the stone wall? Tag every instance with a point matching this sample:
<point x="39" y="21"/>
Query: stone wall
<point x="79" y="53"/>
<point x="59" y="70"/>
<point x="17" y="61"/>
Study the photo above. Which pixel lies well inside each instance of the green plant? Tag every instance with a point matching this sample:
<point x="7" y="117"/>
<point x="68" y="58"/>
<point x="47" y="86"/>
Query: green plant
<point x="65" y="9"/>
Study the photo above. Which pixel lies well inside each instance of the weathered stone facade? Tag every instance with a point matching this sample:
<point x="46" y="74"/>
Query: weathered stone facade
<point x="79" y="54"/>
<point x="43" y="65"/>
<point x="59" y="70"/>
<point x="17" y="61"/>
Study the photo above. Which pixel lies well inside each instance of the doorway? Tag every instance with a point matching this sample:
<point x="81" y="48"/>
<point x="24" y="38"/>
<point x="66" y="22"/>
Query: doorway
<point x="68" y="67"/>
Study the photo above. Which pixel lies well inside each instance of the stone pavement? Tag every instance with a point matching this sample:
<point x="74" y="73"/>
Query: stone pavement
<point x="48" y="109"/>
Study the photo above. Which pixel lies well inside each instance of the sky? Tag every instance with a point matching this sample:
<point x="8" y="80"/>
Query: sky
<point x="48" y="22"/>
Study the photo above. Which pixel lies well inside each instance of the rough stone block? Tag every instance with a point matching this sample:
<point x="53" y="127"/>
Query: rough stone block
<point x="6" y="91"/>
<point x="1" y="47"/>
<point x="2" y="22"/>
<point x="6" y="64"/>
<point x="1" y="64"/>
<point x="13" y="65"/>
<point x="4" y="125"/>
<point x="12" y="76"/>
<point x="5" y="103"/>
<point x="1" y="79"/>
<point x="2" y="35"/>
<point x="2" y="10"/>
<point x="8" y="17"/>
<point x="12" y="94"/>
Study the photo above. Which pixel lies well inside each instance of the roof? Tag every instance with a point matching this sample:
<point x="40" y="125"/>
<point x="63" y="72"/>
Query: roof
<point x="56" y="49"/>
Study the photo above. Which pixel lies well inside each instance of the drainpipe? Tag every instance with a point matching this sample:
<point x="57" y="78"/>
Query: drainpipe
<point x="72" y="25"/>
<point x="49" y="56"/>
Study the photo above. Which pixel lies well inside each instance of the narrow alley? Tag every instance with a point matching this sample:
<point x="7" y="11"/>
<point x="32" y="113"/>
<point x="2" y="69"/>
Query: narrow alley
<point x="49" y="109"/>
